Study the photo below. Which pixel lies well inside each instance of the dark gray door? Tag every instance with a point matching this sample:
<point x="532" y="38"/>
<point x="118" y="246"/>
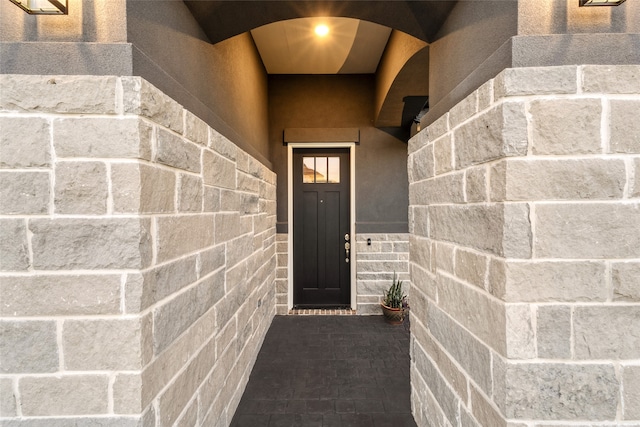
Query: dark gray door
<point x="321" y="240"/>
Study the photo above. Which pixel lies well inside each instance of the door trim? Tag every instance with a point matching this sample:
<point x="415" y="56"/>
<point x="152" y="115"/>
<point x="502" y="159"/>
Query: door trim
<point x="352" y="214"/>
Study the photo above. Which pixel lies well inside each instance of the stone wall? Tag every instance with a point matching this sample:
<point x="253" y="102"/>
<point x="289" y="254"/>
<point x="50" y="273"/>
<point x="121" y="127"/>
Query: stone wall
<point x="375" y="265"/>
<point x="525" y="252"/>
<point x="137" y="257"/>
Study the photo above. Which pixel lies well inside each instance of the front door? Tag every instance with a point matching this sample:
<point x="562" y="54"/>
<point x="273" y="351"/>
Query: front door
<point x="321" y="240"/>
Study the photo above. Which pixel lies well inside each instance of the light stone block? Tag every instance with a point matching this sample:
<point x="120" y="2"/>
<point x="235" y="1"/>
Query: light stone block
<point x="424" y="281"/>
<point x="142" y="98"/>
<point x="607" y="332"/>
<point x="624" y="127"/>
<point x="548" y="391"/>
<point x="28" y="347"/>
<point x="417" y="141"/>
<point x="218" y="171"/>
<point x="475" y="185"/>
<point x="228" y="227"/>
<point x="25" y="142"/>
<point x="211" y="201"/>
<point x="559" y="179"/>
<point x="127" y="138"/>
<point x="520" y="334"/>
<point x="196" y="130"/>
<point x="178" y="314"/>
<point x="247" y="183"/>
<point x="101" y="421"/>
<point x="439" y="190"/>
<point x="421" y="164"/>
<point x="535" y="81"/>
<point x="471" y="267"/>
<point x="485" y="95"/>
<point x="475" y="310"/>
<point x="441" y="391"/>
<point x="494" y="228"/>
<point x="445" y="257"/>
<point x="14" y="252"/>
<point x="443" y="154"/>
<point x="221" y="145"/>
<point x="463" y="110"/>
<point x="103" y="345"/>
<point x="611" y="79"/>
<point x="58" y="94"/>
<point x="484" y="411"/>
<point x="7" y="398"/>
<point x="180" y="235"/>
<point x="211" y="260"/>
<point x="64" y="395"/>
<point x="626" y="281"/>
<point x="464" y="348"/>
<point x="448" y="369"/>
<point x="555" y="281"/>
<point x="552" y="133"/>
<point x="172" y="150"/>
<point x="475" y="226"/>
<point x="59" y="295"/>
<point x="165" y="366"/>
<point x="139" y="188"/>
<point x="85" y="244"/>
<point x="634" y="184"/>
<point x="175" y="398"/>
<point x="164" y="280"/>
<point x="24" y="193"/>
<point x="497" y="133"/>
<point x="127" y="394"/>
<point x="438" y="127"/>
<point x="631" y="392"/>
<point x="554" y="332"/>
<point x="190" y="194"/>
<point x="81" y="188"/>
<point x="581" y="231"/>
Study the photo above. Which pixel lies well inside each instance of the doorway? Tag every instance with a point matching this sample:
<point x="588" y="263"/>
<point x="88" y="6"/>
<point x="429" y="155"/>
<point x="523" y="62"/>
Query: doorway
<point x="322" y="239"/>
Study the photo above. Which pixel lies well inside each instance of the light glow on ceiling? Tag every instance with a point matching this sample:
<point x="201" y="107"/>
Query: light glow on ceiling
<point x="321" y="30"/>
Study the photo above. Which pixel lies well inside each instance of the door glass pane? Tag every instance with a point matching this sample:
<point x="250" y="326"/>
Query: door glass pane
<point x="334" y="170"/>
<point x="308" y="170"/>
<point x="321" y="169"/>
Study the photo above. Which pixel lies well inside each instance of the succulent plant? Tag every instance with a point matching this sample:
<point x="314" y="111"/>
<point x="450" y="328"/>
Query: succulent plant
<point x="393" y="297"/>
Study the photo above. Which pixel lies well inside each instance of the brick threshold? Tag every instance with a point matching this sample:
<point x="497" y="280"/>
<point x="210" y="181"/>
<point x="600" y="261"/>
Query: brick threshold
<point x="321" y="312"/>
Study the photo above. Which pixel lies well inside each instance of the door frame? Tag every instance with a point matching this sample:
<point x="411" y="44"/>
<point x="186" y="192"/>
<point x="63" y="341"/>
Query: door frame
<point x="352" y="213"/>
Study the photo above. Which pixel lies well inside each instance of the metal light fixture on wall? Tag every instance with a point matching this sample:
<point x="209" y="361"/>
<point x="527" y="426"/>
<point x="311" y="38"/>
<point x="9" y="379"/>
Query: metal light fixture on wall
<point x="601" y="2"/>
<point x="43" y="7"/>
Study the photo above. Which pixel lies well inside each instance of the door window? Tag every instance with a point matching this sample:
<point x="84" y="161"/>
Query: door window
<point x="321" y="170"/>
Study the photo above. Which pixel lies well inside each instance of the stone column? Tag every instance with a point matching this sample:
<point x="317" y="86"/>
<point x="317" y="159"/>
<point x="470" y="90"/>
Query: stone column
<point x="525" y="240"/>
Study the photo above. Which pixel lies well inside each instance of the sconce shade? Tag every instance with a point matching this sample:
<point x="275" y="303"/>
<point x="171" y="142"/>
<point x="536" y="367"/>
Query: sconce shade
<point x="601" y="2"/>
<point x="43" y="7"/>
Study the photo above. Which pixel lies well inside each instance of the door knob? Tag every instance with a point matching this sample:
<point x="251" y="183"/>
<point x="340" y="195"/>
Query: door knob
<point x="346" y="237"/>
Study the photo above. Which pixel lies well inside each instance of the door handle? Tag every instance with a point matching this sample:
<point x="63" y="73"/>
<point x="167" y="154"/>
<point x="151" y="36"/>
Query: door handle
<point x="347" y="246"/>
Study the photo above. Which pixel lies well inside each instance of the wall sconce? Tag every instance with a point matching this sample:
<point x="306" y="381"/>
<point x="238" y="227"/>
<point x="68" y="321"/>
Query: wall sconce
<point x="43" y="7"/>
<point x="601" y="2"/>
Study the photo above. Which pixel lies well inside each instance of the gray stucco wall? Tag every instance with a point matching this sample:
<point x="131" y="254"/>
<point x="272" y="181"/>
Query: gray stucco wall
<point x="343" y="102"/>
<point x="225" y="84"/>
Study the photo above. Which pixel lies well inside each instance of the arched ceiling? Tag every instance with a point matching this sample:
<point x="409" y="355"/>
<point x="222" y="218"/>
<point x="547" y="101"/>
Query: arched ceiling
<point x="222" y="19"/>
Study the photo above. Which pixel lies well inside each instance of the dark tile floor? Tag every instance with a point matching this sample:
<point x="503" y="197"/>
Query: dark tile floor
<point x="329" y="371"/>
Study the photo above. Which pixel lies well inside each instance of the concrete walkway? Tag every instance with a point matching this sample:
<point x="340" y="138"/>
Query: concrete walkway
<point x="329" y="371"/>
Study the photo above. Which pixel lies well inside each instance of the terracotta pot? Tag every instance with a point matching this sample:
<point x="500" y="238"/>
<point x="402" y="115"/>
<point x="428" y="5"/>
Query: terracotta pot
<point x="393" y="316"/>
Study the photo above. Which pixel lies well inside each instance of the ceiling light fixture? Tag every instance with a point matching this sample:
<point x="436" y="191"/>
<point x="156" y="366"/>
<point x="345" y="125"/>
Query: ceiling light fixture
<point x="43" y="7"/>
<point x="601" y="2"/>
<point x="321" y="30"/>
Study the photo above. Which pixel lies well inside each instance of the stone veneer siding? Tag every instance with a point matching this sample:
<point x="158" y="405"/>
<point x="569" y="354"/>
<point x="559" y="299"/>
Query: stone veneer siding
<point x="525" y="253"/>
<point x="137" y="257"/>
<point x="375" y="266"/>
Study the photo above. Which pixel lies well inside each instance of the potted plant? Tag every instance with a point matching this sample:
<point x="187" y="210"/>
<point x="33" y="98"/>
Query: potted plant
<point x="394" y="303"/>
